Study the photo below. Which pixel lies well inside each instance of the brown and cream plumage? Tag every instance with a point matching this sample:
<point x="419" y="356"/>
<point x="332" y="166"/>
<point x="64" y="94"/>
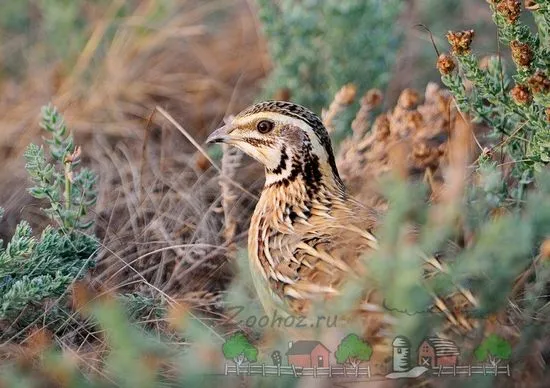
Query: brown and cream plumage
<point x="307" y="235"/>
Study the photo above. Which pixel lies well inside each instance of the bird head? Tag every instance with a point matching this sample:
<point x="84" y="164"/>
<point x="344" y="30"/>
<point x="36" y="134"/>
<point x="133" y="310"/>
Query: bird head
<point x="288" y="139"/>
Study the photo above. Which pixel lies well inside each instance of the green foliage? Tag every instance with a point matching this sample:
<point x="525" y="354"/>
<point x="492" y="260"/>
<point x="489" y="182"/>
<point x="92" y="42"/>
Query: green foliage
<point x="60" y="179"/>
<point x="34" y="270"/>
<point x="353" y="350"/>
<point x="521" y="114"/>
<point x="238" y="348"/>
<point x="503" y="248"/>
<point x="493" y="347"/>
<point x="317" y="47"/>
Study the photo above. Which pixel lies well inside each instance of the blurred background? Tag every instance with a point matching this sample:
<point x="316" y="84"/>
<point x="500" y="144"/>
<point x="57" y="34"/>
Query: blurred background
<point x="107" y="64"/>
<point x="170" y="229"/>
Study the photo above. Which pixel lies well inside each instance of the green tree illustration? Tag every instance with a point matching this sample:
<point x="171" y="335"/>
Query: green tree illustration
<point x="494" y="348"/>
<point x="238" y="348"/>
<point x="353" y="349"/>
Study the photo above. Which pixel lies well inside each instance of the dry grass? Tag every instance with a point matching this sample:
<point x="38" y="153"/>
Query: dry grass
<point x="168" y="221"/>
<point x="158" y="208"/>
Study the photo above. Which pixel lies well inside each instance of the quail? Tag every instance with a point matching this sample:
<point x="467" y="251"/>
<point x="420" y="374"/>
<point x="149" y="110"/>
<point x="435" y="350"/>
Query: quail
<point x="307" y="235"/>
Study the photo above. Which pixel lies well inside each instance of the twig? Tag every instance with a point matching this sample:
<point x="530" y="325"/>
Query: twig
<point x="200" y="149"/>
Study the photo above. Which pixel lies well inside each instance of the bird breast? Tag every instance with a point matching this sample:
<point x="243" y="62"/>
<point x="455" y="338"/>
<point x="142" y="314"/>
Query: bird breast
<point x="302" y="247"/>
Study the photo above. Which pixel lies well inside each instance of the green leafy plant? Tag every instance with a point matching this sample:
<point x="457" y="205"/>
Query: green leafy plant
<point x="353" y="349"/>
<point x="70" y="192"/>
<point x="519" y="116"/>
<point x="317" y="47"/>
<point x="33" y="270"/>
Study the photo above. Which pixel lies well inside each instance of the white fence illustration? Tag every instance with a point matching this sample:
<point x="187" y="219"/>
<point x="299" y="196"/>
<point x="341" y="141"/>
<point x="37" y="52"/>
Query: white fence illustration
<point x="468" y="370"/>
<point x="362" y="372"/>
<point x="291" y="370"/>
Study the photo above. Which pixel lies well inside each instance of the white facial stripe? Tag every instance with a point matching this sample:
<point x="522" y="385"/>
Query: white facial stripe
<point x="286" y="120"/>
<point x="276" y="117"/>
<point x="270" y="157"/>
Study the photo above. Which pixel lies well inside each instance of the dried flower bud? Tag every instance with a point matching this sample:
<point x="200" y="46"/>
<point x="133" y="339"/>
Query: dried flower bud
<point x="414" y="120"/>
<point x="381" y="127"/>
<point x="445" y="64"/>
<point x="510" y="9"/>
<point x="373" y="97"/>
<point x="539" y="83"/>
<point x="531" y="5"/>
<point x="344" y="97"/>
<point x="460" y="41"/>
<point x="408" y="99"/>
<point x="521" y="53"/>
<point x="346" y="94"/>
<point x="74" y="156"/>
<point x="547" y="111"/>
<point x="520" y="94"/>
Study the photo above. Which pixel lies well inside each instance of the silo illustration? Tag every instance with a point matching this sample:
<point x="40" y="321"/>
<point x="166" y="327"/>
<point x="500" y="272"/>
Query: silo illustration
<point x="401" y="354"/>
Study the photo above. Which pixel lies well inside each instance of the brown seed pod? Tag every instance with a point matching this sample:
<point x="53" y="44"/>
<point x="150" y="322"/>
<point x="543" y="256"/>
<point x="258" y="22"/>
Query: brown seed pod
<point x="408" y="99"/>
<point x="202" y="163"/>
<point x="510" y="9"/>
<point x="521" y="95"/>
<point x="445" y="64"/>
<point x="381" y="127"/>
<point x="373" y="97"/>
<point x="521" y="53"/>
<point x="539" y="83"/>
<point x="460" y="41"/>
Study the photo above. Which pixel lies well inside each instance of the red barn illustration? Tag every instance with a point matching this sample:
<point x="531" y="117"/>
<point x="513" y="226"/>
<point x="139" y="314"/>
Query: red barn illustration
<point x="308" y="354"/>
<point x="435" y="351"/>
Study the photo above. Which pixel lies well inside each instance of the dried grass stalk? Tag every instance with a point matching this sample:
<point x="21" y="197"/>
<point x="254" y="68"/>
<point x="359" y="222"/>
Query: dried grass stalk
<point x="231" y="161"/>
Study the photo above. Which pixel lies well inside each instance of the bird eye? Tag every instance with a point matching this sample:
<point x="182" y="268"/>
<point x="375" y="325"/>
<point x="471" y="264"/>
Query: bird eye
<point x="264" y="126"/>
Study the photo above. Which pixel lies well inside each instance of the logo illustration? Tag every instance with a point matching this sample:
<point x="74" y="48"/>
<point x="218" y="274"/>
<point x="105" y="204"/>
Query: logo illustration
<point x="353" y="350"/>
<point x="238" y="349"/>
<point x="401" y="360"/>
<point x="434" y="356"/>
<point x="306" y="354"/>
<point x="435" y="351"/>
<point x="493" y="348"/>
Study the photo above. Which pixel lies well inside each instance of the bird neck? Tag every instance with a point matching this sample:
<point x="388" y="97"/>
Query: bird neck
<point x="306" y="184"/>
<point x="305" y="167"/>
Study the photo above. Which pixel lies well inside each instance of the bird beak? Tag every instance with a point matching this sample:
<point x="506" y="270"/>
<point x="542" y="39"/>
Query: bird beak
<point x="220" y="135"/>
